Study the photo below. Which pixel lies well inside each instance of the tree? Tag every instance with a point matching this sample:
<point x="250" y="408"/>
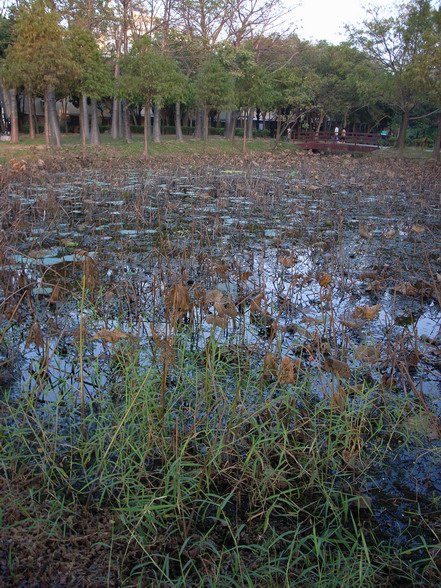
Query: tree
<point x="213" y="88"/>
<point x="92" y="15"/>
<point x="340" y="81"/>
<point x="429" y="71"/>
<point x="208" y="22"/>
<point x="253" y="84"/>
<point x="295" y="96"/>
<point x="147" y="75"/>
<point x="39" y="59"/>
<point x="292" y="78"/>
<point x="205" y="20"/>
<point x="92" y="79"/>
<point x="395" y="42"/>
<point x="8" y="97"/>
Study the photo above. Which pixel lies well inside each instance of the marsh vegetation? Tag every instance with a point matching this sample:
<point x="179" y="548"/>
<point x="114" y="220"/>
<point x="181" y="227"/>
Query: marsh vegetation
<point x="221" y="372"/>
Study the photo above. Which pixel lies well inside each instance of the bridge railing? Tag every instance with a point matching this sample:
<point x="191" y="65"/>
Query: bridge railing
<point x="329" y="136"/>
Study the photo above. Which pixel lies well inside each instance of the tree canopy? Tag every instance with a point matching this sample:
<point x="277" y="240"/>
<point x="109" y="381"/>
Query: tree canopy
<point x="217" y="55"/>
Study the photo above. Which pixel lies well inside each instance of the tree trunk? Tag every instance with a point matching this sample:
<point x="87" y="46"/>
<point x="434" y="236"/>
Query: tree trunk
<point x="278" y="128"/>
<point x="199" y="124"/>
<point x="120" y="120"/>
<point x="322" y="116"/>
<point x="116" y="119"/>
<point x="150" y="122"/>
<point x="250" y="124"/>
<point x="47" y="133"/>
<point x="95" y="138"/>
<point x="206" y="126"/>
<point x="230" y="129"/>
<point x="54" y="125"/>
<point x="6" y="103"/>
<point x="126" y="132"/>
<point x="244" y="128"/>
<point x="178" y="126"/>
<point x="34" y="114"/>
<point x="31" y="114"/>
<point x="65" y="115"/>
<point x="116" y="129"/>
<point x="403" y="129"/>
<point x="437" y="143"/>
<point x="156" y="124"/>
<point x="228" y="116"/>
<point x="14" y="116"/>
<point x="146" y="128"/>
<point x="84" y="121"/>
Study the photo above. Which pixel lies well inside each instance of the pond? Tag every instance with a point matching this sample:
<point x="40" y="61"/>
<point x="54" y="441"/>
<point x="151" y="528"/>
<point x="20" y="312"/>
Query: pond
<point x="315" y="276"/>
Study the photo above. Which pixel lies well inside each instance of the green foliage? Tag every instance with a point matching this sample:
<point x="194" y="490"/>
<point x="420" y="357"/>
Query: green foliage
<point x="396" y="44"/>
<point x="214" y="131"/>
<point x="39" y="58"/>
<point x="254" y="82"/>
<point x="92" y="15"/>
<point x="94" y="78"/>
<point x="277" y="485"/>
<point x="148" y="74"/>
<point x="5" y="35"/>
<point x="213" y="86"/>
<point x="394" y="63"/>
<point x="338" y="78"/>
<point x="39" y="128"/>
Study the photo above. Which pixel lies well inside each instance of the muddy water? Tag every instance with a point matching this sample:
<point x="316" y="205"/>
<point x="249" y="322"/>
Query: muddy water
<point x="245" y="235"/>
<point x="347" y="274"/>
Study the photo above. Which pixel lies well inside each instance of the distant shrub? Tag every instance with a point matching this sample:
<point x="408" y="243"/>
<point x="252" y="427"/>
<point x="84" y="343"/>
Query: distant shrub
<point x="25" y="128"/>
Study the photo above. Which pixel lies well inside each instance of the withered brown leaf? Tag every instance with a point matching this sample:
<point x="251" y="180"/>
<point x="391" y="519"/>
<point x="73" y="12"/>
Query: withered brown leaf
<point x="325" y="280"/>
<point x="337" y="367"/>
<point x="338" y="399"/>
<point x="213" y="296"/>
<point x="417" y="229"/>
<point x="288" y="370"/>
<point x="35" y="336"/>
<point x="177" y="299"/>
<point x="406" y="289"/>
<point x="364" y="232"/>
<point x="217" y="321"/>
<point x="270" y="366"/>
<point x="288" y="261"/>
<point x="366" y="312"/>
<point x="110" y="336"/>
<point x="91" y="278"/>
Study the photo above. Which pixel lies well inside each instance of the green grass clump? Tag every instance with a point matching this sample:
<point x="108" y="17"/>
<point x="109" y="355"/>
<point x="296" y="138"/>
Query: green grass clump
<point x="71" y="147"/>
<point x="225" y="480"/>
<point x="217" y="146"/>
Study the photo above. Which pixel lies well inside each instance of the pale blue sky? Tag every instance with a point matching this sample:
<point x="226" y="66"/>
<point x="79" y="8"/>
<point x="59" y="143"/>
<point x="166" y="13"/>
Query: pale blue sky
<point x="325" y="19"/>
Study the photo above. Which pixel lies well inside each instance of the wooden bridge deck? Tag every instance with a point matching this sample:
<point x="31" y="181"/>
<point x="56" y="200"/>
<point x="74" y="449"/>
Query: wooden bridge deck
<point x="323" y="141"/>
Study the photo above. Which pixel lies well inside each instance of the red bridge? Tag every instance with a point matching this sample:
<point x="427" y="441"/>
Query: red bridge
<point x="327" y="141"/>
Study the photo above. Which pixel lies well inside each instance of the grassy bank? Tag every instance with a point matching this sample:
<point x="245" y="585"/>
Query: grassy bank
<point x="169" y="147"/>
<point x="214" y="484"/>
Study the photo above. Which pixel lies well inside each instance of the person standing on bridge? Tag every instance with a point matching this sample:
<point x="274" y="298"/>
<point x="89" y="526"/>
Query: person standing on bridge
<point x="336" y="132"/>
<point x="343" y="135"/>
<point x="384" y="134"/>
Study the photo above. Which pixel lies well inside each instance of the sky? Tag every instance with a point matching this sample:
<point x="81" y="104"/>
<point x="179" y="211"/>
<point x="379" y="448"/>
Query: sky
<point x="325" y="19"/>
